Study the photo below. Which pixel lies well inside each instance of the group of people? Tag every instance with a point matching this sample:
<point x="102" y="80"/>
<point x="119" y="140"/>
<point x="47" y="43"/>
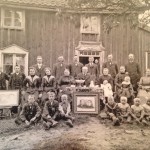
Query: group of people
<point x="45" y="92"/>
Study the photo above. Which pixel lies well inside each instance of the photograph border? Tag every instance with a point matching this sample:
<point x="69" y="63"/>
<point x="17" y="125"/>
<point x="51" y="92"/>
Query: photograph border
<point x="86" y="94"/>
<point x="10" y="91"/>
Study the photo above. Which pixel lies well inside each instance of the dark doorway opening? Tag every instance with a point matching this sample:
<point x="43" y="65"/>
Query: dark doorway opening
<point x="85" y="60"/>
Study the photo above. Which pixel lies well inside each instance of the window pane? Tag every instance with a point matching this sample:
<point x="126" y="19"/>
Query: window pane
<point x="7" y="22"/>
<point x="8" y="13"/>
<point x="20" y="60"/>
<point x="148" y="65"/>
<point x="8" y="63"/>
<point x="17" y="22"/>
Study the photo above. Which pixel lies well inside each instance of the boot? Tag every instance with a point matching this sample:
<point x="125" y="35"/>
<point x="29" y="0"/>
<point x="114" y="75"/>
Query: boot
<point x="116" y="122"/>
<point x="69" y="123"/>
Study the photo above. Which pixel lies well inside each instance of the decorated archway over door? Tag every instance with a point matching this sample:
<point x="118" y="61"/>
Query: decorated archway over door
<point x="87" y="49"/>
<point x="12" y="56"/>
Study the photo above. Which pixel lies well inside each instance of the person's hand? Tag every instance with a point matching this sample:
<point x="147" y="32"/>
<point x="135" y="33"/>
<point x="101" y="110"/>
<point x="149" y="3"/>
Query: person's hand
<point x="27" y="122"/>
<point x="111" y="114"/>
<point x="40" y="95"/>
<point x="23" y="92"/>
<point x="33" y="119"/>
<point x="48" y="117"/>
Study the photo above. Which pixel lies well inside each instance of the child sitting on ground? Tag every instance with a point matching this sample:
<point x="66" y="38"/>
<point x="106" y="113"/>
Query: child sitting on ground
<point x="31" y="112"/>
<point x="147" y="109"/>
<point x="127" y="90"/>
<point x="65" y="110"/>
<point x="124" y="110"/>
<point x="137" y="112"/>
<point x="50" y="111"/>
<point x="107" y="89"/>
<point x="112" y="110"/>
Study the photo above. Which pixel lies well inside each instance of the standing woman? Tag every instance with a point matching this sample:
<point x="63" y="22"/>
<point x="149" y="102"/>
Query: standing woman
<point x="48" y="83"/>
<point x="144" y="87"/>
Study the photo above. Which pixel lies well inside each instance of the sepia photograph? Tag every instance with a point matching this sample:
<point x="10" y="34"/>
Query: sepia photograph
<point x="74" y="74"/>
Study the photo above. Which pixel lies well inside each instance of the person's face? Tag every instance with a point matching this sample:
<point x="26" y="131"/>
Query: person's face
<point x="127" y="79"/>
<point x="96" y="61"/>
<point x="148" y="72"/>
<point x="122" y="69"/>
<point x="131" y="57"/>
<point x="110" y="101"/>
<point x="137" y="102"/>
<point x="60" y="59"/>
<point x="105" y="82"/>
<point x="89" y="103"/>
<point x="64" y="98"/>
<point x="91" y="59"/>
<point x="51" y="96"/>
<point x="32" y="72"/>
<point x="105" y="71"/>
<point x="148" y="102"/>
<point x="66" y="73"/>
<point x="17" y="69"/>
<point x="109" y="58"/>
<point x="84" y="70"/>
<point x="123" y="100"/>
<point x="39" y="60"/>
<point x="48" y="72"/>
<point x="31" y="100"/>
<point x="75" y="58"/>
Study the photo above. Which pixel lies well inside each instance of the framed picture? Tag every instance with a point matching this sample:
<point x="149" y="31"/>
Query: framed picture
<point x="9" y="98"/>
<point x="86" y="103"/>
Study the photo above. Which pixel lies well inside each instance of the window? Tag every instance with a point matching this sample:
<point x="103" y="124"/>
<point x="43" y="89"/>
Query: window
<point x="147" y="60"/>
<point x="13" y="19"/>
<point x="90" y="28"/>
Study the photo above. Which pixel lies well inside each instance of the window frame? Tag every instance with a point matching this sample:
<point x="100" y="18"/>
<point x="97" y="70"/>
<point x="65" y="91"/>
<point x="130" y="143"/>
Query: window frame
<point x="12" y="26"/>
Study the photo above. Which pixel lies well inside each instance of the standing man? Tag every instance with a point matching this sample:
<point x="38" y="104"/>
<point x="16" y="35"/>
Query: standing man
<point x="92" y="69"/>
<point x="3" y="78"/>
<point x="40" y="67"/>
<point x="75" y="67"/>
<point x="59" y="68"/>
<point x="16" y="83"/>
<point x="112" y="67"/>
<point x="134" y="72"/>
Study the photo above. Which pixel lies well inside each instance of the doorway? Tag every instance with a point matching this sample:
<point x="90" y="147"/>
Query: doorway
<point x="85" y="60"/>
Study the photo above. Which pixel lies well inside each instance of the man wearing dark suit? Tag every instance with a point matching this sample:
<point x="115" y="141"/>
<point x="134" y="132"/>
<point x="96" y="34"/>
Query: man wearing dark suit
<point x="40" y="67"/>
<point x="75" y="67"/>
<point x="3" y="78"/>
<point x="134" y="71"/>
<point x="112" y="67"/>
<point x="16" y="83"/>
<point x="84" y="76"/>
<point x="58" y="68"/>
<point x="92" y="69"/>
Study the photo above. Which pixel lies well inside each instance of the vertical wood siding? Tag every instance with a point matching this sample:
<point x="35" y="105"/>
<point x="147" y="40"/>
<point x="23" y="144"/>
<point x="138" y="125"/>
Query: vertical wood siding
<point x="50" y="36"/>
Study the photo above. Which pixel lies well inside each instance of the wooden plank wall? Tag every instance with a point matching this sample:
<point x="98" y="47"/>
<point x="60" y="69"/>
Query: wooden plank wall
<point x="50" y="36"/>
<point x="44" y="35"/>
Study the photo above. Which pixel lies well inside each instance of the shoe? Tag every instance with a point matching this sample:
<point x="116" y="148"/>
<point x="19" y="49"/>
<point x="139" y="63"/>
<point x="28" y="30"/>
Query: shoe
<point x="27" y="126"/>
<point x="17" y="122"/>
<point x="69" y="123"/>
<point x="116" y="122"/>
<point x="46" y="126"/>
<point x="55" y="123"/>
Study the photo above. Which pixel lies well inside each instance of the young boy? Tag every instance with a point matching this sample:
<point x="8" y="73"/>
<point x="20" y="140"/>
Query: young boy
<point x="147" y="109"/>
<point x="50" y="111"/>
<point x="124" y="110"/>
<point x="137" y="112"/>
<point x="112" y="110"/>
<point x="65" y="110"/>
<point x="31" y="112"/>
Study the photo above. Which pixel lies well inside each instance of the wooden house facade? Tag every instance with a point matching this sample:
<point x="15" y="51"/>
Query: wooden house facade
<point x="38" y="28"/>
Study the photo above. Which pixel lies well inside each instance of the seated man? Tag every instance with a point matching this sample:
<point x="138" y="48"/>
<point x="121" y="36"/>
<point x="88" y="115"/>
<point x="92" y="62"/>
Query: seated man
<point x="84" y="76"/>
<point x="50" y="111"/>
<point x="65" y="110"/>
<point x="31" y="112"/>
